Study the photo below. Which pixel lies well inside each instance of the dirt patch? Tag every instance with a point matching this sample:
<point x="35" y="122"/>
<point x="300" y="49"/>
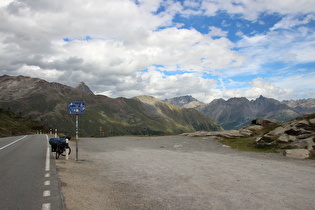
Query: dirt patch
<point x="176" y="172"/>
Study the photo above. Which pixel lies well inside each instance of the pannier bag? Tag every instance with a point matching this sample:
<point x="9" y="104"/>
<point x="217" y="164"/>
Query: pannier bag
<point x="54" y="141"/>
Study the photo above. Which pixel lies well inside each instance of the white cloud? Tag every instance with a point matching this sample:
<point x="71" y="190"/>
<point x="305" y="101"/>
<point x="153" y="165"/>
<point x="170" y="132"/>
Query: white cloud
<point x="288" y="22"/>
<point x="256" y="87"/>
<point x="294" y="46"/>
<point x="215" y="31"/>
<point x="127" y="37"/>
<point x="252" y="9"/>
<point x="156" y="83"/>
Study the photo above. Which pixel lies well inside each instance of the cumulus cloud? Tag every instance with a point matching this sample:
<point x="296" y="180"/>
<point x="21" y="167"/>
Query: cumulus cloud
<point x="128" y="48"/>
<point x="251" y="10"/>
<point x="215" y="31"/>
<point x="289" y="22"/>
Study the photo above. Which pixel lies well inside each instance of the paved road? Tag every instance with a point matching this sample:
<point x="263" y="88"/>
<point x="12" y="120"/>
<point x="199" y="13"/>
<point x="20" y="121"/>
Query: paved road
<point x="28" y="177"/>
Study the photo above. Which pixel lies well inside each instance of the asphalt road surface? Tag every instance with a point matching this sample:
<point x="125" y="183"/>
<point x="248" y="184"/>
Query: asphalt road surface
<point x="184" y="173"/>
<point x="28" y="178"/>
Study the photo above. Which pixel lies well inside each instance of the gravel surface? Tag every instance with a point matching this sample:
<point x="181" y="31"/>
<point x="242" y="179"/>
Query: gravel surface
<point x="179" y="172"/>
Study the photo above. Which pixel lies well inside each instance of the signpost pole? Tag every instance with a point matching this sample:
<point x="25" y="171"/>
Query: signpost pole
<point x="76" y="136"/>
<point x="76" y="108"/>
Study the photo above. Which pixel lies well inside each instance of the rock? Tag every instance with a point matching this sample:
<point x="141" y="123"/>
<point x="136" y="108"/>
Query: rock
<point x="297" y="153"/>
<point x="256" y="129"/>
<point x="293" y="134"/>
<point x="258" y="139"/>
<point x="284" y="138"/>
<point x="293" y="131"/>
<point x="264" y="122"/>
<point x="223" y="145"/>
<point x="197" y="134"/>
<point x="246" y="132"/>
<point x="268" y="138"/>
<point x="303" y="144"/>
<point x="303" y="124"/>
<point x="277" y="131"/>
<point x="230" y="134"/>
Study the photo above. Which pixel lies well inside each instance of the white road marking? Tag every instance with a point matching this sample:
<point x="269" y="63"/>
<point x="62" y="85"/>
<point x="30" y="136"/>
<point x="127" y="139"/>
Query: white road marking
<point x="47" y="166"/>
<point x="12" y="143"/>
<point x="46" y="206"/>
<point x="46" y="193"/>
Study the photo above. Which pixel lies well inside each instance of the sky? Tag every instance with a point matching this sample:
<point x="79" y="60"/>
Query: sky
<point x="208" y="49"/>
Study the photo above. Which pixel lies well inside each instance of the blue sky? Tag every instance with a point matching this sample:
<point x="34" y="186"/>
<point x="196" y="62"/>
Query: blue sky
<point x="164" y="48"/>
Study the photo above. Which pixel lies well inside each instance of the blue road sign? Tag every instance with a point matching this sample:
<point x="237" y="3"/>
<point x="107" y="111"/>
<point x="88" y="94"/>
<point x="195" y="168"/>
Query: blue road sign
<point x="76" y="108"/>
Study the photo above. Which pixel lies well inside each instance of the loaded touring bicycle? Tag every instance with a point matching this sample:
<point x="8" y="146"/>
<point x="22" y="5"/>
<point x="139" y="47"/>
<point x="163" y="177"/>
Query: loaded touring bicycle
<point x="59" y="146"/>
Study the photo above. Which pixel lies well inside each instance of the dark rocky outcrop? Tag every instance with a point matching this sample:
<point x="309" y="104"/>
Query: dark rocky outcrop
<point x="84" y="88"/>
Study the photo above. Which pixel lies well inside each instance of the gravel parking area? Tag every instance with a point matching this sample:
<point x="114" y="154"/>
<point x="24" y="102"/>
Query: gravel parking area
<point x="179" y="172"/>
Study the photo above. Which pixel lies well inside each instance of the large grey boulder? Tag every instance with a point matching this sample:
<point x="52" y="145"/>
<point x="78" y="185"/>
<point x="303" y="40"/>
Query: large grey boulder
<point x="297" y="153"/>
<point x="304" y="143"/>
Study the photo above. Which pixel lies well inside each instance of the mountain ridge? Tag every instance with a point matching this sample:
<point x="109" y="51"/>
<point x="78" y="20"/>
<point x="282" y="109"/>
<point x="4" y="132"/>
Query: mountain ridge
<point x="47" y="102"/>
<point x="238" y="112"/>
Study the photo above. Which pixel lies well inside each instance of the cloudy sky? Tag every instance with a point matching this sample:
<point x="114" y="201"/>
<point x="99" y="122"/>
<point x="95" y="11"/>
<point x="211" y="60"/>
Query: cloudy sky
<point x="164" y="48"/>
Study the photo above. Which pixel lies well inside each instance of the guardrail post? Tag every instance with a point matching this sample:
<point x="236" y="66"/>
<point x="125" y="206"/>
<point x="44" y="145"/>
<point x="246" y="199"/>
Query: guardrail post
<point x="67" y="150"/>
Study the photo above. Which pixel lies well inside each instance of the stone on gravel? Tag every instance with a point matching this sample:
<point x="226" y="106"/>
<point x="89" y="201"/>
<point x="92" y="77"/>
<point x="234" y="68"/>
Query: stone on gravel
<point x="297" y="153"/>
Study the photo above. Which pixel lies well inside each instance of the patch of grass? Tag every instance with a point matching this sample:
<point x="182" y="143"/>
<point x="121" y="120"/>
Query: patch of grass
<point x="312" y="154"/>
<point x="14" y="124"/>
<point x="246" y="144"/>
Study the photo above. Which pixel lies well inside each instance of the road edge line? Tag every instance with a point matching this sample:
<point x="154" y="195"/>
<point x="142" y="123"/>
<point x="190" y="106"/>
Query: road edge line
<point x="13" y="142"/>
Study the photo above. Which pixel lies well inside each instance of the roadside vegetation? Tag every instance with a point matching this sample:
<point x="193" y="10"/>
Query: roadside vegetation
<point x="246" y="144"/>
<point x="12" y="124"/>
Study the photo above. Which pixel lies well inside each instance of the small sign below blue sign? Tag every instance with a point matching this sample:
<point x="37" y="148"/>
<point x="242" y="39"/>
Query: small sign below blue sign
<point x="76" y="108"/>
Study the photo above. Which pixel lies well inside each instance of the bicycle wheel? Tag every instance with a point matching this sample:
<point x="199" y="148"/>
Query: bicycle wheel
<point x="69" y="150"/>
<point x="57" y="152"/>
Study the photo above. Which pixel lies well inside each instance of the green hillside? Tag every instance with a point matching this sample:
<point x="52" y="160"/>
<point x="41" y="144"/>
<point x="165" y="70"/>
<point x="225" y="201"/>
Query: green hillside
<point x="13" y="124"/>
<point x="144" y="115"/>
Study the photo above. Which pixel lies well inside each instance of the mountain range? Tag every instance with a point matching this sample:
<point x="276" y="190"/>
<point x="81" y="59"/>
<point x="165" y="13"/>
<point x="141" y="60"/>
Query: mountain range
<point x="47" y="102"/>
<point x="44" y="101"/>
<point x="236" y="113"/>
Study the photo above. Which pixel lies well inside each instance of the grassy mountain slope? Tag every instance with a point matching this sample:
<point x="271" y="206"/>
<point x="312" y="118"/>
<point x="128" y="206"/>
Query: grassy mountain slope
<point x="14" y="124"/>
<point x="47" y="102"/>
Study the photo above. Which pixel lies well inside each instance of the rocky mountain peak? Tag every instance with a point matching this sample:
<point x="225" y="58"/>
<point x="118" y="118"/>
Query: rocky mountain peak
<point x="84" y="88"/>
<point x="147" y="99"/>
<point x="184" y="101"/>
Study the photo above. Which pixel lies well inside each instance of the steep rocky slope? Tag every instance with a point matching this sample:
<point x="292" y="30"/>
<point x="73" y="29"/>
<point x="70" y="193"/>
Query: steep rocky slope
<point x="238" y="112"/>
<point x="302" y="106"/>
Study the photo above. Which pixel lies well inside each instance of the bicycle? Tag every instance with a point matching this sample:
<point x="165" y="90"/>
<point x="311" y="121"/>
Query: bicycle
<point x="61" y="148"/>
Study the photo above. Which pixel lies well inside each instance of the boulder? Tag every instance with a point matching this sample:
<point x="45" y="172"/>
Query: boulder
<point x="303" y="124"/>
<point x="285" y="138"/>
<point x="255" y="129"/>
<point x="230" y="134"/>
<point x="304" y="144"/>
<point x="246" y="132"/>
<point x="297" y="153"/>
<point x="293" y="131"/>
<point x="277" y="131"/>
<point x="264" y="122"/>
